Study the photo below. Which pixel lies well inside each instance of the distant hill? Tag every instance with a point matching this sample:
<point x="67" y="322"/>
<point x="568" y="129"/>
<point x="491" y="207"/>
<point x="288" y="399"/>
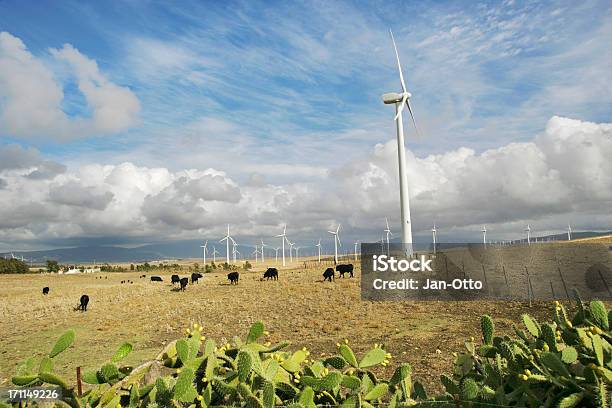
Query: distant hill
<point x="172" y="250"/>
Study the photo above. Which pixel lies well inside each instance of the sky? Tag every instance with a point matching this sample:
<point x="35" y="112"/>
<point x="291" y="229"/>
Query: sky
<point x="139" y="121"/>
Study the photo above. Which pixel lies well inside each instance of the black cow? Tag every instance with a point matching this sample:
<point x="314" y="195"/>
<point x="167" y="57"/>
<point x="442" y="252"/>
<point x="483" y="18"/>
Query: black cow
<point x="143" y="276"/>
<point x="271" y="273"/>
<point x="83" y="303"/>
<point x="345" y="268"/>
<point x="328" y="275"/>
<point x="175" y="279"/>
<point x="156" y="279"/>
<point x="233" y="277"/>
<point x="46" y="290"/>
<point x="195" y="277"/>
<point x="183" y="282"/>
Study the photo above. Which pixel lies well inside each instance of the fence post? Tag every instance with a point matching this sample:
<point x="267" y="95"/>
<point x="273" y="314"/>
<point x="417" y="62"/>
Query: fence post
<point x="79" y="383"/>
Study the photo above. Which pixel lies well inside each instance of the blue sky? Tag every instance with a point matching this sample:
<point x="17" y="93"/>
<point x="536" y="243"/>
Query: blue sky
<point x="291" y="91"/>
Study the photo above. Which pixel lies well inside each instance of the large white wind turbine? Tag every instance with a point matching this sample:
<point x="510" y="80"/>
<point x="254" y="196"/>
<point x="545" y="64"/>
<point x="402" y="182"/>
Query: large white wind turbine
<point x="337" y="243"/>
<point x="283" y="237"/>
<point x="401" y="100"/>
<point x="204" y="251"/>
<point x="227" y="240"/>
<point x="569" y="232"/>
<point x="319" y="248"/>
<point x="484" y="235"/>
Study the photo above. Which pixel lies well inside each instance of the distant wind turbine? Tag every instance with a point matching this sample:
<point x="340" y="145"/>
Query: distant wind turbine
<point x="401" y="100"/>
<point x="484" y="235"/>
<point x="214" y="254"/>
<point x="227" y="240"/>
<point x="291" y="244"/>
<point x="297" y="254"/>
<point x="262" y="251"/>
<point x="388" y="232"/>
<point x="355" y="253"/>
<point x="255" y="252"/>
<point x="204" y="251"/>
<point x="528" y="229"/>
<point x="283" y="237"/>
<point x="234" y="250"/>
<point x="276" y="255"/>
<point x="337" y="243"/>
<point x="434" y="234"/>
<point x="569" y="232"/>
<point x="319" y="248"/>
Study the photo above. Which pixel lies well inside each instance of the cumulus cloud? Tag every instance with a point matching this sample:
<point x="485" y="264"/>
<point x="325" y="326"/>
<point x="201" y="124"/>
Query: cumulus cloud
<point x="560" y="175"/>
<point x="31" y="95"/>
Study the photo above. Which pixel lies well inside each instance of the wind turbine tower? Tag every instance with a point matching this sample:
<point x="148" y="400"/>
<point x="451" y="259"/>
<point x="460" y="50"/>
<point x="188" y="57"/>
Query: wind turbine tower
<point x="569" y="232"/>
<point x="283" y="237"/>
<point x="204" y="251"/>
<point x="262" y="251"/>
<point x="484" y="235"/>
<point x="227" y="239"/>
<point x="528" y="230"/>
<point x="434" y="235"/>
<point x="319" y="248"/>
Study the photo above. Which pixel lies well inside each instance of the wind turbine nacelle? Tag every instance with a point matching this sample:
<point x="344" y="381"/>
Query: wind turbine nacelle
<point x="393" y="97"/>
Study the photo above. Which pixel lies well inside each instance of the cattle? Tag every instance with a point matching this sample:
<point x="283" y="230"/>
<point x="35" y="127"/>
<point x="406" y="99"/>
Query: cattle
<point x="156" y="279"/>
<point x="83" y="303"/>
<point x="328" y="274"/>
<point x="175" y="279"/>
<point x="345" y="268"/>
<point x="143" y="276"/>
<point x="271" y="273"/>
<point x="233" y="277"/>
<point x="46" y="290"/>
<point x="122" y="282"/>
<point x="183" y="282"/>
<point x="195" y="277"/>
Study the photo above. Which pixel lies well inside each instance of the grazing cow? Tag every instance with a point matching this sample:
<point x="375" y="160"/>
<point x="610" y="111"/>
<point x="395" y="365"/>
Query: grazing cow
<point x="233" y="277"/>
<point x="83" y="303"/>
<point x="345" y="268"/>
<point x="156" y="279"/>
<point x="143" y="276"/>
<point x="183" y="282"/>
<point x="195" y="277"/>
<point x="271" y="273"/>
<point x="175" y="279"/>
<point x="46" y="290"/>
<point x="328" y="275"/>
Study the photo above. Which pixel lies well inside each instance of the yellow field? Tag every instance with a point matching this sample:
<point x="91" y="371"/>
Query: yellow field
<point x="298" y="307"/>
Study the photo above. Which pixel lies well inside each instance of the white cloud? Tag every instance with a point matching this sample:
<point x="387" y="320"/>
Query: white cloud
<point x="561" y="175"/>
<point x="31" y="96"/>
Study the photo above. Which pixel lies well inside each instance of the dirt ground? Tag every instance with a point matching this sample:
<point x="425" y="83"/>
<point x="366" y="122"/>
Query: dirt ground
<point x="299" y="307"/>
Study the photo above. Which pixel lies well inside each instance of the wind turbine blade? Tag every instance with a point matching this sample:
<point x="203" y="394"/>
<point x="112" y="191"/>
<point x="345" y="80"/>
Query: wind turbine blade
<point x="387" y="222"/>
<point x="399" y="66"/>
<point x="332" y="232"/>
<point x="413" y="121"/>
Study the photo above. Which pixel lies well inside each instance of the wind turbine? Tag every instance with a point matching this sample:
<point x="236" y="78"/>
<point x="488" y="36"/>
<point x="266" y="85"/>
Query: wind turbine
<point x="283" y="237"/>
<point x="336" y="242"/>
<point x="262" y="251"/>
<point x="388" y="232"/>
<point x="319" y="248"/>
<point x="234" y="250"/>
<point x="204" y="251"/>
<point x="291" y="244"/>
<point x="355" y="253"/>
<point x="401" y="100"/>
<point x="484" y="235"/>
<point x="255" y="252"/>
<point x="227" y="239"/>
<point x="569" y="232"/>
<point x="214" y="254"/>
<point x="276" y="255"/>
<point x="528" y="229"/>
<point x="434" y="234"/>
<point x="297" y="254"/>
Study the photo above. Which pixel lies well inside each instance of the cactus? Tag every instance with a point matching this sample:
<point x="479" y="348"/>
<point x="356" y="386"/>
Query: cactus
<point x="487" y="326"/>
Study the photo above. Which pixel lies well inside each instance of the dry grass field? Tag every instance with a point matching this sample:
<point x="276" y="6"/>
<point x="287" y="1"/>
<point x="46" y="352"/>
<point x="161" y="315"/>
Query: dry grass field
<point x="298" y="307"/>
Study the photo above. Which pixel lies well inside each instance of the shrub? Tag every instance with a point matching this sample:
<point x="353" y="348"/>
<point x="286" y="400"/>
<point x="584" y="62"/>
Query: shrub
<point x="13" y="266"/>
